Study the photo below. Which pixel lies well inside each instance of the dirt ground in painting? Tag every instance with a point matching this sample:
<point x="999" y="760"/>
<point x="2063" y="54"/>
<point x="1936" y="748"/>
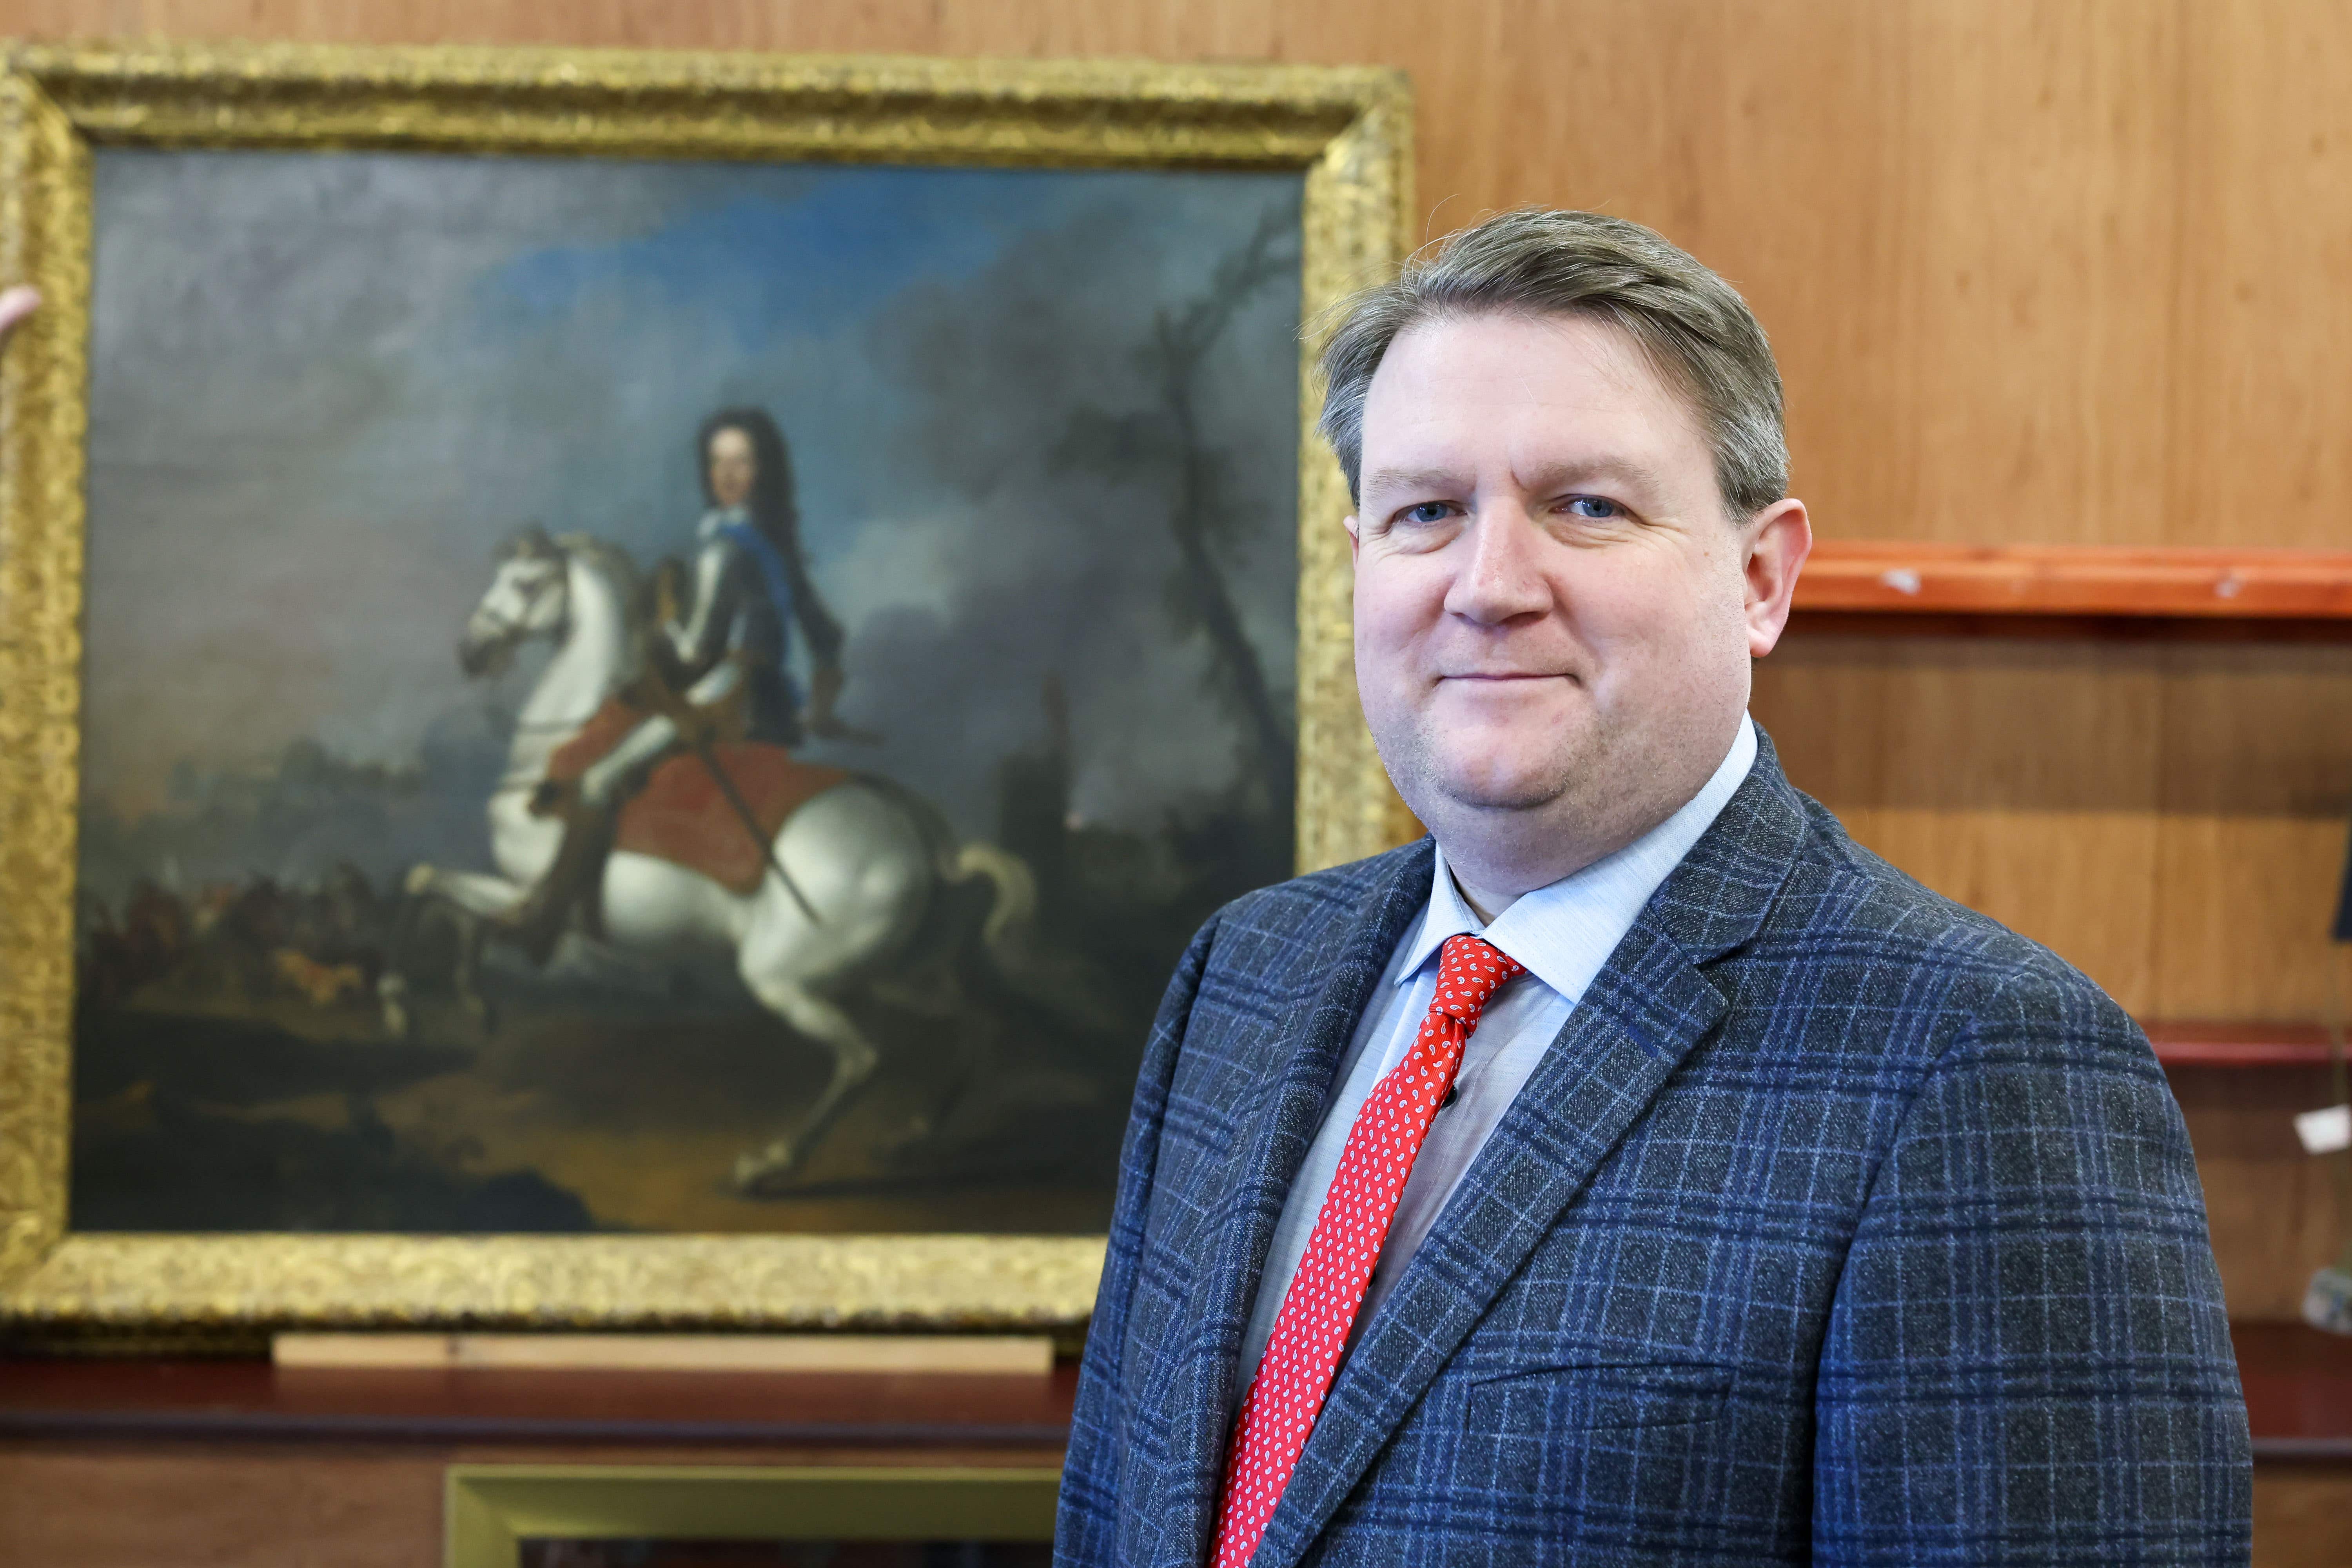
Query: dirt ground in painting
<point x="235" y="1072"/>
<point x="598" y="1112"/>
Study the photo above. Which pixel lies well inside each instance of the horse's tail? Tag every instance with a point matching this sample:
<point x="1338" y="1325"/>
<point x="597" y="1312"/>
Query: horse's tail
<point x="1013" y="902"/>
<point x="1013" y="906"/>
<point x="994" y="955"/>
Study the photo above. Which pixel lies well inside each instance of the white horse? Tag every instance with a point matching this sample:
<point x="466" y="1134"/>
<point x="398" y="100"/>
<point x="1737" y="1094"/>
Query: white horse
<point x="870" y="860"/>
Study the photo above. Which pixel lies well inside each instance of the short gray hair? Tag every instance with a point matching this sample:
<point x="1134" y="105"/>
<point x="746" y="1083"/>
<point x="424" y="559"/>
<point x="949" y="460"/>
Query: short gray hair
<point x="1694" y="328"/>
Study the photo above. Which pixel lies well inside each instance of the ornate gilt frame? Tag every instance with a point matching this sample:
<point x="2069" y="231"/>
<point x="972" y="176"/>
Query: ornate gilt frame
<point x="1348" y="131"/>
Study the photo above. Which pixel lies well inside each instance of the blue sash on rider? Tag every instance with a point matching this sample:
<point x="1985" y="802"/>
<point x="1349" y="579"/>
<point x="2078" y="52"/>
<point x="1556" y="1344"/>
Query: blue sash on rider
<point x="771" y="561"/>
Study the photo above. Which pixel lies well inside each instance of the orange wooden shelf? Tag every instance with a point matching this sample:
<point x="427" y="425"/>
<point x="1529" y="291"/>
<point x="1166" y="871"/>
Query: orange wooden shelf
<point x="2205" y="1043"/>
<point x="1882" y="585"/>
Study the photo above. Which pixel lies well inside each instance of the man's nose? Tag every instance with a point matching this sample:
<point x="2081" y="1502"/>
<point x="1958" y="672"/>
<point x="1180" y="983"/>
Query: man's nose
<point x="1500" y="577"/>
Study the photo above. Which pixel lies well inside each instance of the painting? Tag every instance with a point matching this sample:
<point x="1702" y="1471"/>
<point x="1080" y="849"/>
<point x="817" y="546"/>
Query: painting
<point x="660" y="694"/>
<point x="666" y="697"/>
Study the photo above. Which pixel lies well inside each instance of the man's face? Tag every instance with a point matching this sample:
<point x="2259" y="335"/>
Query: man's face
<point x="1554" y="616"/>
<point x="733" y="466"/>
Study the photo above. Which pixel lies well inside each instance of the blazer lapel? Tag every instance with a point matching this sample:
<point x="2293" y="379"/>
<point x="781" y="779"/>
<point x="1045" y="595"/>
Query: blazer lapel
<point x="1300" y="1055"/>
<point x="1645" y="1011"/>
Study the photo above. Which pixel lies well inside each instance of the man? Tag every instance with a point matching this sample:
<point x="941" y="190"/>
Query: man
<point x="720" y="659"/>
<point x="1643" y="1171"/>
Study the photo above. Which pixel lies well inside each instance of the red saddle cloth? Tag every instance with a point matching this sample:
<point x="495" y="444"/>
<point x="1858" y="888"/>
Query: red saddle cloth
<point x="681" y="815"/>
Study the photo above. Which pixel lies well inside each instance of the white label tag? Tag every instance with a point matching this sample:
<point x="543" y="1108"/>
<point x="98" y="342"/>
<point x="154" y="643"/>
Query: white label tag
<point x="2325" y="1132"/>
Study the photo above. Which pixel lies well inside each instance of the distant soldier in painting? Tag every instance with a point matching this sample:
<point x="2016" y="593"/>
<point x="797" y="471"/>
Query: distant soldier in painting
<point x="720" y="659"/>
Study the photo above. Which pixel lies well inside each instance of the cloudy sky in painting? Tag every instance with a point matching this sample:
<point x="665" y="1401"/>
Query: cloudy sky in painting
<point x="325" y="386"/>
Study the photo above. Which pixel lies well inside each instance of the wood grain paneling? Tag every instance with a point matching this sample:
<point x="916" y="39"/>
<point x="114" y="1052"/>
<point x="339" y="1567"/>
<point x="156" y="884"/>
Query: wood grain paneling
<point x="2170" y="818"/>
<point x="256" y="1505"/>
<point x="2276" y="1213"/>
<point x="95" y="1509"/>
<point x="2047" y="823"/>
<point x="2068" y="271"/>
<point x="2261" y="404"/>
<point x="2303" y="1517"/>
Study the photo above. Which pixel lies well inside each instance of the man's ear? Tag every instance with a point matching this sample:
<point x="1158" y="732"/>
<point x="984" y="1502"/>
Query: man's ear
<point x="1355" y="536"/>
<point x="1779" y="539"/>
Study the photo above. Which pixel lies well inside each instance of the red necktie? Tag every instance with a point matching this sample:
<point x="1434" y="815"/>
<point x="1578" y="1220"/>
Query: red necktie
<point x="1320" y="1305"/>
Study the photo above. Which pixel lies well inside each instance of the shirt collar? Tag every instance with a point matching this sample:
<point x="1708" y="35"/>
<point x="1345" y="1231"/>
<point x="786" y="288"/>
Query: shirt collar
<point x="1565" y="931"/>
<point x="717" y="518"/>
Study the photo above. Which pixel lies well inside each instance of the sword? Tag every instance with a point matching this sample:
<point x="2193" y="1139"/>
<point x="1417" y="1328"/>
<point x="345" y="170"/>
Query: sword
<point x="709" y="753"/>
<point x="657" y="692"/>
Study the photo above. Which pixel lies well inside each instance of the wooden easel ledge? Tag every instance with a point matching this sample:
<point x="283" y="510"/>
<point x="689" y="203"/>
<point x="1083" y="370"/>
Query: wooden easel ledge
<point x="969" y="1354"/>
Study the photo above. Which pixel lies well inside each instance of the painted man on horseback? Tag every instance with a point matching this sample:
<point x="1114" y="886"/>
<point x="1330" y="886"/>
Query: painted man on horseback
<point x="841" y="879"/>
<point x="719" y="664"/>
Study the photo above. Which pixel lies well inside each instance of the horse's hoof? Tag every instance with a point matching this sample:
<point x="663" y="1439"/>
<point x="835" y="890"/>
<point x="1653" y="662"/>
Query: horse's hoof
<point x="911" y="1142"/>
<point x="758" y="1175"/>
<point x="392" y="992"/>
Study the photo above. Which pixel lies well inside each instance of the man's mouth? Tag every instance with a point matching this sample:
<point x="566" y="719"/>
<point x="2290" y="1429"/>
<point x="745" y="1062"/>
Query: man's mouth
<point x="1509" y="675"/>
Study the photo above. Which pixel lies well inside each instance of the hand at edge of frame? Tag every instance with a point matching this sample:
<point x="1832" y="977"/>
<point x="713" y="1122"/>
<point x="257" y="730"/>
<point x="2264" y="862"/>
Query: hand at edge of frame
<point x="16" y="304"/>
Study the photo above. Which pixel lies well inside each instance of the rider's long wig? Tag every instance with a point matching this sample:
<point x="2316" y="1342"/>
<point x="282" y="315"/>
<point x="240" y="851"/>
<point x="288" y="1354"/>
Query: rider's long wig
<point x="773" y="512"/>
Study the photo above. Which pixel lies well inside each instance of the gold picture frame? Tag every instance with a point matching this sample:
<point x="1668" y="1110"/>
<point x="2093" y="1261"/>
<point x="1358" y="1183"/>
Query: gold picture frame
<point x="1346" y="130"/>
<point x="492" y="1509"/>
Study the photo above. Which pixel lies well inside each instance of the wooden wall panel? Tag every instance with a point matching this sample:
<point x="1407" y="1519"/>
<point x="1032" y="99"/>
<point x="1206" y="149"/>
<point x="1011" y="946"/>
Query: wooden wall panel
<point x="2257" y="758"/>
<point x="2171" y="819"/>
<point x="2302" y="1516"/>
<point x="2065" y="271"/>
<point x="225" y="1508"/>
<point x="1917" y="744"/>
<point x="2262" y="405"/>
<point x="2276" y="1213"/>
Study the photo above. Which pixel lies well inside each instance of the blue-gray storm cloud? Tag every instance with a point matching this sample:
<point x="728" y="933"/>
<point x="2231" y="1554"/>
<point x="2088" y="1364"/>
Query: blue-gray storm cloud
<point x="325" y="386"/>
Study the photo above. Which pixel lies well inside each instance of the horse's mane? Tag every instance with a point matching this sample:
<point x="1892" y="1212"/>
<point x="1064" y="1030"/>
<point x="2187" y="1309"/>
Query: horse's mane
<point x="613" y="561"/>
<point x="632" y="593"/>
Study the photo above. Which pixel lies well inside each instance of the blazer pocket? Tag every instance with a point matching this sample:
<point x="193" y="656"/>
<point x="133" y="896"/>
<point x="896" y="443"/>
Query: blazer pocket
<point x="1586" y="1396"/>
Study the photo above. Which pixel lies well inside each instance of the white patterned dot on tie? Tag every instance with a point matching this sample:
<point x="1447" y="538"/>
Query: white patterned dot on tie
<point x="1328" y="1288"/>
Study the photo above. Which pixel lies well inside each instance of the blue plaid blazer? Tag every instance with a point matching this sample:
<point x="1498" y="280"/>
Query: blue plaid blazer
<point x="1839" y="1224"/>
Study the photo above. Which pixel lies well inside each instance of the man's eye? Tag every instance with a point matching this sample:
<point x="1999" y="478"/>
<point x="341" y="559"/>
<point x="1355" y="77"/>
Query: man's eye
<point x="1594" y="506"/>
<point x="1426" y="512"/>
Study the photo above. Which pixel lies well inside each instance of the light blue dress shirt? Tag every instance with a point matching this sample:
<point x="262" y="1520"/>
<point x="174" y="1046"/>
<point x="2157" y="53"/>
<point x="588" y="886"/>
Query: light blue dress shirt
<point x="1563" y="933"/>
